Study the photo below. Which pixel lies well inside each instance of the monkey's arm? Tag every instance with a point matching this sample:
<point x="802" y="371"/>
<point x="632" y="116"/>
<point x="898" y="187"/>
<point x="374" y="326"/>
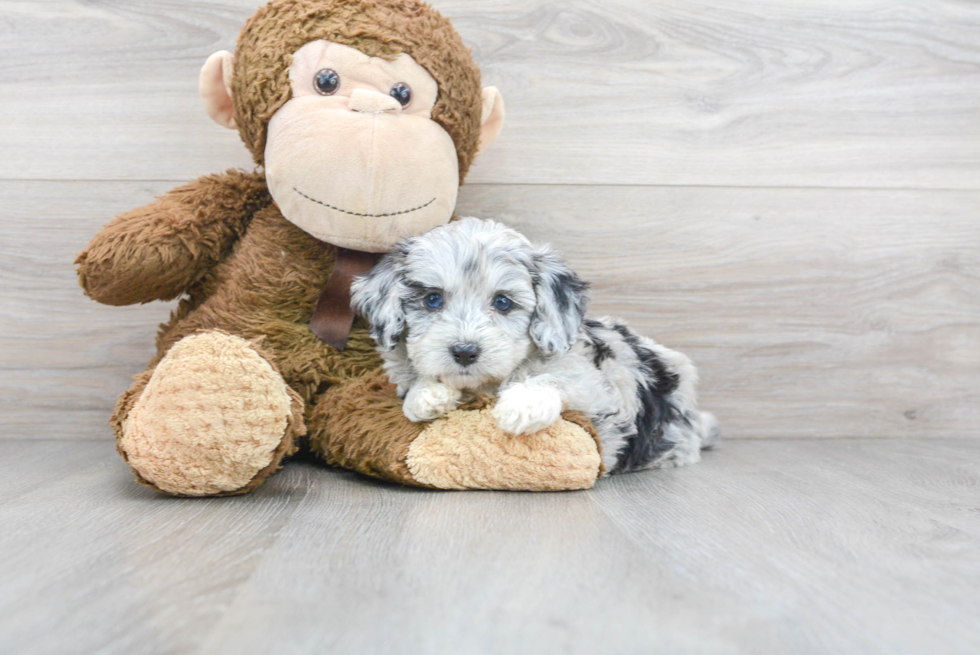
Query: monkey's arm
<point x="157" y="251"/>
<point x="359" y="424"/>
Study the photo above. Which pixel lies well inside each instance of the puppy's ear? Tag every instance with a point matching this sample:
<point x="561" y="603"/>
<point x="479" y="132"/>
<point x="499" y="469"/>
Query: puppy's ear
<point x="561" y="302"/>
<point x="377" y="296"/>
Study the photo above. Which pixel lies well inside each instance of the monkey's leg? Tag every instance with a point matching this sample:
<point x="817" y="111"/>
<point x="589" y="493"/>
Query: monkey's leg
<point x="359" y="425"/>
<point x="214" y="418"/>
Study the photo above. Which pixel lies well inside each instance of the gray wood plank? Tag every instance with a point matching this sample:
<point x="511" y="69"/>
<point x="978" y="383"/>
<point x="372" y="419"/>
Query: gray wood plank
<point x="876" y="93"/>
<point x="830" y="541"/>
<point x="48" y="387"/>
<point x="94" y="561"/>
<point x="803" y="546"/>
<point x="809" y="312"/>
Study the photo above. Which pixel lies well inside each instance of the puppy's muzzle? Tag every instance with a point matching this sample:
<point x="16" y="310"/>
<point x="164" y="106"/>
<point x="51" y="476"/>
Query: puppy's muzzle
<point x="465" y="353"/>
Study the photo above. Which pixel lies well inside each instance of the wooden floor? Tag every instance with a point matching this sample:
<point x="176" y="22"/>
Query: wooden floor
<point x="778" y="546"/>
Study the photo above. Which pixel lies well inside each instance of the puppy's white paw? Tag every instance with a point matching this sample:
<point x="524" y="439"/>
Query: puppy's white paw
<point x="429" y="400"/>
<point x="526" y="409"/>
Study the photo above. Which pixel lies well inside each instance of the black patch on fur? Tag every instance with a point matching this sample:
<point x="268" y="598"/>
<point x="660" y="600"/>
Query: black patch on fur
<point x="568" y="287"/>
<point x="369" y="306"/>
<point x="378" y="330"/>
<point x="566" y="293"/>
<point x="648" y="443"/>
<point x="600" y="349"/>
<point x="666" y="381"/>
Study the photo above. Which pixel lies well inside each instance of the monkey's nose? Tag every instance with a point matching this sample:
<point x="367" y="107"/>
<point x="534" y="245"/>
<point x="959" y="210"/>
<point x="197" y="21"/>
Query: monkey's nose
<point x="372" y="102"/>
<point x="465" y="353"/>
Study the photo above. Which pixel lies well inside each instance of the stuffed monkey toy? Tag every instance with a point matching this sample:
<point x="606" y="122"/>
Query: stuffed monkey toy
<point x="363" y="117"/>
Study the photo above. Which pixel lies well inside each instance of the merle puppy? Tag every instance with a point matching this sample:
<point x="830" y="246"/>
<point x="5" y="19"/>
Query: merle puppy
<point x="474" y="306"/>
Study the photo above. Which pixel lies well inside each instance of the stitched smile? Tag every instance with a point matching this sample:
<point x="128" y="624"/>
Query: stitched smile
<point x="404" y="211"/>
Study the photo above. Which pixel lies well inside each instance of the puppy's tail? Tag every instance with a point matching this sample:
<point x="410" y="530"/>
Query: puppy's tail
<point x="710" y="432"/>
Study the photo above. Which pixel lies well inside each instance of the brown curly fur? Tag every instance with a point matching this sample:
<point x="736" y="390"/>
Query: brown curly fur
<point x="361" y="427"/>
<point x="240" y="267"/>
<point x="379" y="29"/>
<point x="158" y="251"/>
<point x="255" y="276"/>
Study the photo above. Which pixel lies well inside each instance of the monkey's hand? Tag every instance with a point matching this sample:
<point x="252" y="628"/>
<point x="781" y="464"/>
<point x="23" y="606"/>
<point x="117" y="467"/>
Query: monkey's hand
<point x="157" y="251"/>
<point x="360" y="424"/>
<point x="429" y="399"/>
<point x="527" y="408"/>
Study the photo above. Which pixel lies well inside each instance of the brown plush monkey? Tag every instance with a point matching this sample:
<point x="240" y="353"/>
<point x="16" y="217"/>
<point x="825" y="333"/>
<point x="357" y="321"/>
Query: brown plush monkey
<point x="363" y="117"/>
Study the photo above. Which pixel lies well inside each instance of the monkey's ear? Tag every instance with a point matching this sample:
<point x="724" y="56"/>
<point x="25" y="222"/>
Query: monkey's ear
<point x="215" y="83"/>
<point x="493" y="117"/>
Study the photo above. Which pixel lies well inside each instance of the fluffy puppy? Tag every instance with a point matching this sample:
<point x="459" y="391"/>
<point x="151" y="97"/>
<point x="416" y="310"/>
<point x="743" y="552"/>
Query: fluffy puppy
<point x="473" y="306"/>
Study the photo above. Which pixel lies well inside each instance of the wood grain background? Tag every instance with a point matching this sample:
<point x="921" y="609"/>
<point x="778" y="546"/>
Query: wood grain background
<point x="789" y="192"/>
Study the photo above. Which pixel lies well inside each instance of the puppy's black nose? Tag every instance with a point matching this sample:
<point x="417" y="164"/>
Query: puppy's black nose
<point x="465" y="353"/>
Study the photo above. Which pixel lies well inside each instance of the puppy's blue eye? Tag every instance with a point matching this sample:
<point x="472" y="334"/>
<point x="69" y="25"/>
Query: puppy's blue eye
<point x="502" y="304"/>
<point x="433" y="300"/>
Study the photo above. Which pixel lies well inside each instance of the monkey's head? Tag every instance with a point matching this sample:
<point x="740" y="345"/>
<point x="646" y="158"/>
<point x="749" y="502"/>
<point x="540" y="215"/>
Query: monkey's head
<point x="366" y="114"/>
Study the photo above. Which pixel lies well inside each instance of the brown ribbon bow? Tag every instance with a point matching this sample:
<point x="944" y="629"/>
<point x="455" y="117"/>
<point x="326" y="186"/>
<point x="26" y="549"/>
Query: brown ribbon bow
<point x="333" y="316"/>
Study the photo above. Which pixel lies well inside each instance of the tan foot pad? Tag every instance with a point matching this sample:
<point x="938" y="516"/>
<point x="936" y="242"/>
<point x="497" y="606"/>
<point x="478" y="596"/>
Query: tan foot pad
<point x="210" y="419"/>
<point x="466" y="450"/>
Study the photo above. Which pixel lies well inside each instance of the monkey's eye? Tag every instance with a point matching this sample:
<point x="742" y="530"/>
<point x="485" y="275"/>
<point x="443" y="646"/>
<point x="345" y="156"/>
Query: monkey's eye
<point x="433" y="300"/>
<point x="402" y="93"/>
<point x="326" y="82"/>
<point x="502" y="304"/>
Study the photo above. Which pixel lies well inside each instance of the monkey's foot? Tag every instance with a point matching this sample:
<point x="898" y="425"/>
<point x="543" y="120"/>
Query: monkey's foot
<point x="360" y="425"/>
<point x="214" y="418"/>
